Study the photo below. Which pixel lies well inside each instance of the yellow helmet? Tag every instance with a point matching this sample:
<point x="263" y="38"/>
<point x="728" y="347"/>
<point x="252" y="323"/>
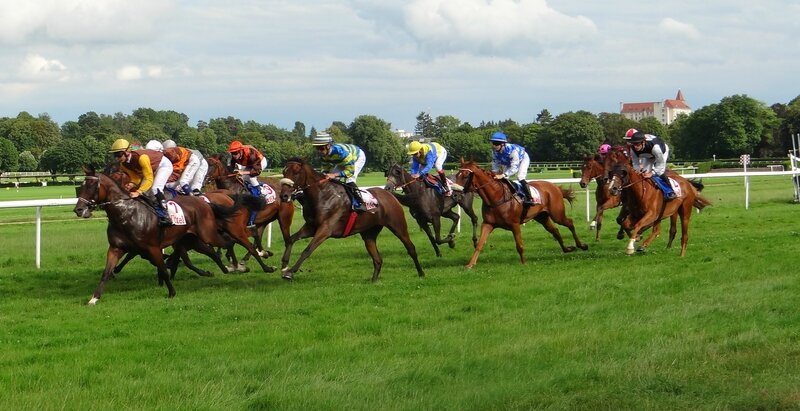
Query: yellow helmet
<point x="120" y="144"/>
<point x="414" y="147"/>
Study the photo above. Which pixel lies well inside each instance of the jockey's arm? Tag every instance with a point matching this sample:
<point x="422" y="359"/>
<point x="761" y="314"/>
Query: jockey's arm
<point x="147" y="174"/>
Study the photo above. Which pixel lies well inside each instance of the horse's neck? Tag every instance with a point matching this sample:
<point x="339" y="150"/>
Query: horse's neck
<point x="111" y="191"/>
<point x="637" y="185"/>
<point x="490" y="190"/>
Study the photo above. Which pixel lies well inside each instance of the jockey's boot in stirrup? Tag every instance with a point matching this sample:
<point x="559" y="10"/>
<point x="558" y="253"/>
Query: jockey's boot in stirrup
<point x="358" y="203"/>
<point x="528" y="200"/>
<point x="443" y="180"/>
<point x="161" y="209"/>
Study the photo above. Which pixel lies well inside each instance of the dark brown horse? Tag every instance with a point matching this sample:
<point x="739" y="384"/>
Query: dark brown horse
<point x="327" y="213"/>
<point x="133" y="227"/>
<point x="222" y="178"/>
<point x="593" y="169"/>
<point x="427" y="207"/>
<point x="646" y="204"/>
<point x="503" y="208"/>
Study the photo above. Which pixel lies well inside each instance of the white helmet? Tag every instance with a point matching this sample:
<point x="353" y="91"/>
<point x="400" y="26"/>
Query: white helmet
<point x="169" y="144"/>
<point x="154" y="145"/>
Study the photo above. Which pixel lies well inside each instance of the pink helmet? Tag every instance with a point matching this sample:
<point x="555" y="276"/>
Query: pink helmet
<point x="604" y="149"/>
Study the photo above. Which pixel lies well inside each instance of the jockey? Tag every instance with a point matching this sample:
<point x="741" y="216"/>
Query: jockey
<point x="147" y="169"/>
<point x="428" y="155"/>
<point x="514" y="160"/>
<point x="249" y="162"/>
<point x="343" y="161"/>
<point x="199" y="176"/>
<point x="604" y="149"/>
<point x="649" y="155"/>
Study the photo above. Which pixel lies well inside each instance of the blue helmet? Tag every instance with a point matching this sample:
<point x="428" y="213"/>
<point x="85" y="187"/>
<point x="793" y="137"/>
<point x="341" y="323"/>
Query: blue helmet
<point x="499" y="136"/>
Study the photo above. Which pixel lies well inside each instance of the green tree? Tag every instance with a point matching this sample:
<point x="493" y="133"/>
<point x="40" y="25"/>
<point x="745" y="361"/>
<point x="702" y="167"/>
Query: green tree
<point x="9" y="157"/>
<point x="471" y="145"/>
<point x="651" y="125"/>
<point x="27" y="162"/>
<point x="299" y="130"/>
<point x="570" y="136"/>
<point x="614" y="126"/>
<point x="382" y="147"/>
<point x="544" y="117"/>
<point x="425" y="127"/>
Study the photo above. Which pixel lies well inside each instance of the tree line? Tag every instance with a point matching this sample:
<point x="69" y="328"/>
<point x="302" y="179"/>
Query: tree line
<point x="736" y="125"/>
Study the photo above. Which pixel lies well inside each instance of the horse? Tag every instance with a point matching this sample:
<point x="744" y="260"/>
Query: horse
<point x="327" y="213"/>
<point x="427" y="207"/>
<point x="222" y="178"/>
<point x="233" y="226"/>
<point x="502" y="208"/>
<point x="133" y="227"/>
<point x="647" y="206"/>
<point x="593" y="169"/>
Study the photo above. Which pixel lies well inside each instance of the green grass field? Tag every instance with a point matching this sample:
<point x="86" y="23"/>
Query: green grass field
<point x="717" y="329"/>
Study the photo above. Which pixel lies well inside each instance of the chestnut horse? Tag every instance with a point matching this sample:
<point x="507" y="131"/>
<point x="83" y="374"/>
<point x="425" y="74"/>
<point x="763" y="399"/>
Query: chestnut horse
<point x="503" y="208"/>
<point x="593" y="169"/>
<point x="327" y="213"/>
<point x="225" y="179"/>
<point x="133" y="226"/>
<point x="646" y="204"/>
<point x="427" y="207"/>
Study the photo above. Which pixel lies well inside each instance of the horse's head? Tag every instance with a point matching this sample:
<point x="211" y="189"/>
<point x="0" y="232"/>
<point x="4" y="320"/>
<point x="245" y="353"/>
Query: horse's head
<point x="294" y="180"/>
<point x="396" y="177"/>
<point x="618" y="178"/>
<point x="88" y="193"/>
<point x="592" y="168"/>
<point x="467" y="174"/>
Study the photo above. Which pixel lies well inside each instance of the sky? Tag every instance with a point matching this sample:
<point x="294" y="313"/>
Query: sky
<point x="320" y="61"/>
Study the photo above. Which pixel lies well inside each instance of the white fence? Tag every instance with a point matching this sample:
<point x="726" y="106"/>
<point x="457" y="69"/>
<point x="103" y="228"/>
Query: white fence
<point x="38" y="204"/>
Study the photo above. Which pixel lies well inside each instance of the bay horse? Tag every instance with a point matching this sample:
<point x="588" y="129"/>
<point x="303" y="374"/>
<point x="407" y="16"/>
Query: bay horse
<point x="222" y="178"/>
<point x="232" y="226"/>
<point x="133" y="227"/>
<point x="593" y="169"/>
<point x="327" y="213"/>
<point x="502" y="208"/>
<point x="647" y="206"/>
<point x="427" y="207"/>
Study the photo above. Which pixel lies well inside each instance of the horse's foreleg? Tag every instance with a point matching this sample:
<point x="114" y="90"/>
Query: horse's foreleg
<point x="285" y="215"/>
<point x="369" y="238"/>
<point x="486" y="229"/>
<point x="305" y="231"/>
<point x="427" y="229"/>
<point x="112" y="256"/>
<point x="239" y="235"/>
<point x="451" y="234"/>
<point x="598" y="223"/>
<point x="517" y="231"/>
<point x="320" y="235"/>
<point x="474" y="219"/>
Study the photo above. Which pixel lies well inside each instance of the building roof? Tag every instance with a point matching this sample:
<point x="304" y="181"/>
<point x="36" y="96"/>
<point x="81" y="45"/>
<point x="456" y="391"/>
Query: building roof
<point x="678" y="102"/>
<point x="637" y="107"/>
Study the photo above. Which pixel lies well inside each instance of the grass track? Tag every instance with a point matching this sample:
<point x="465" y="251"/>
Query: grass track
<point x="588" y="330"/>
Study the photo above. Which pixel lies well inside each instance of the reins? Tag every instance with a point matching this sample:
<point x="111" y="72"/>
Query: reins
<point x="497" y="203"/>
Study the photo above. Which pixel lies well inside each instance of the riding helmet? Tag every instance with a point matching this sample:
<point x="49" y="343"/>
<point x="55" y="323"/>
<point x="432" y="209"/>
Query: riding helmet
<point x="154" y="145"/>
<point x="499" y="136"/>
<point x="169" y="144"/>
<point x="321" y="140"/>
<point x="414" y="147"/>
<point x="630" y="133"/>
<point x="235" y="146"/>
<point x="119" y="144"/>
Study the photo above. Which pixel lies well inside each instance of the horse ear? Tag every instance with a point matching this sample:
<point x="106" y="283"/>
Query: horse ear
<point x="88" y="169"/>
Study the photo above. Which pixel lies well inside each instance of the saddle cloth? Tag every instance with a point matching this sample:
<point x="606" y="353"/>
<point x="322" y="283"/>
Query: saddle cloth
<point x="536" y="197"/>
<point x="369" y="200"/>
<point x="268" y="193"/>
<point x="175" y="213"/>
<point x="675" y="187"/>
<point x="433" y="182"/>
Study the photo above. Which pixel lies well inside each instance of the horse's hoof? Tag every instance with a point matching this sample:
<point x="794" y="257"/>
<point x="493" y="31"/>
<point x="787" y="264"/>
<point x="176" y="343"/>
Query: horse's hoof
<point x="269" y="269"/>
<point x="569" y="249"/>
<point x="229" y="269"/>
<point x="620" y="236"/>
<point x="469" y="267"/>
<point x="265" y="253"/>
<point x="241" y="268"/>
<point x="451" y="243"/>
<point x="641" y="249"/>
<point x="629" y="251"/>
<point x="287" y="276"/>
<point x="206" y="274"/>
<point x="93" y="301"/>
<point x="584" y="247"/>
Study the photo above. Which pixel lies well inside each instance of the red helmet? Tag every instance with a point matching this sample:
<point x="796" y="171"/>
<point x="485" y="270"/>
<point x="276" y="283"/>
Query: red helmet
<point x="235" y="146"/>
<point x="630" y="133"/>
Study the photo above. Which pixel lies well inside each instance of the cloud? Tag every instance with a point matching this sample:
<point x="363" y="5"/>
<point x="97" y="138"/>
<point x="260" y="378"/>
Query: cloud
<point x="128" y="73"/>
<point x="82" y="21"/>
<point x="675" y="27"/>
<point x="37" y="68"/>
<point x="493" y="27"/>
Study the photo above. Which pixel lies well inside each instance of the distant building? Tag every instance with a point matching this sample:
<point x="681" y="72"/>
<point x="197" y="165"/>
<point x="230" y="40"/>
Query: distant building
<point x="405" y="135"/>
<point x="664" y="111"/>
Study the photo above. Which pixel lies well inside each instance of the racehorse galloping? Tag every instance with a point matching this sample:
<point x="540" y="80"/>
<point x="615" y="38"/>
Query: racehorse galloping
<point x="225" y="179"/>
<point x="133" y="227"/>
<point x="327" y="213"/>
<point x="646" y="203"/>
<point x="427" y="207"/>
<point x="593" y="169"/>
<point x="501" y="208"/>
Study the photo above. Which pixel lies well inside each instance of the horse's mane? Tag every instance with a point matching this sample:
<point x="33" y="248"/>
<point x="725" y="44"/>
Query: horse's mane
<point x="472" y="163"/>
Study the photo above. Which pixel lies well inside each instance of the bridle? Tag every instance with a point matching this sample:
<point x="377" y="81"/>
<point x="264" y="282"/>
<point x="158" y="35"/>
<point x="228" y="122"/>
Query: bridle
<point x="93" y="203"/>
<point x="468" y="186"/>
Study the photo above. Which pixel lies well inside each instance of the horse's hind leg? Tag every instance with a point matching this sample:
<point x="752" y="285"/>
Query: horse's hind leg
<point x="545" y="220"/>
<point x="157" y="259"/>
<point x="400" y="230"/>
<point x="673" y="228"/>
<point x="128" y="257"/>
<point x="427" y="229"/>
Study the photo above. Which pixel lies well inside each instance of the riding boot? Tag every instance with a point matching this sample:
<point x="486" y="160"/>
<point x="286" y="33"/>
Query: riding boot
<point x="526" y="189"/>
<point x="443" y="179"/>
<point x="254" y="190"/>
<point x="358" y="202"/>
<point x="669" y="194"/>
<point x="251" y="222"/>
<point x="161" y="209"/>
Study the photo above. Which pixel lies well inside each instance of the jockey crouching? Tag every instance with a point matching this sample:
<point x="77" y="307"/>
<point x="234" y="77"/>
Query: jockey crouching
<point x="514" y="160"/>
<point x="346" y="161"/>
<point x="250" y="162"/>
<point x="427" y="156"/>
<point x="649" y="154"/>
<point x="148" y="170"/>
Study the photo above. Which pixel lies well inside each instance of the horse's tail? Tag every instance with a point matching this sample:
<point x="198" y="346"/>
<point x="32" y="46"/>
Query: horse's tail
<point x="701" y="202"/>
<point x="698" y="184"/>
<point x="222" y="212"/>
<point x="568" y="194"/>
<point x="250" y="202"/>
